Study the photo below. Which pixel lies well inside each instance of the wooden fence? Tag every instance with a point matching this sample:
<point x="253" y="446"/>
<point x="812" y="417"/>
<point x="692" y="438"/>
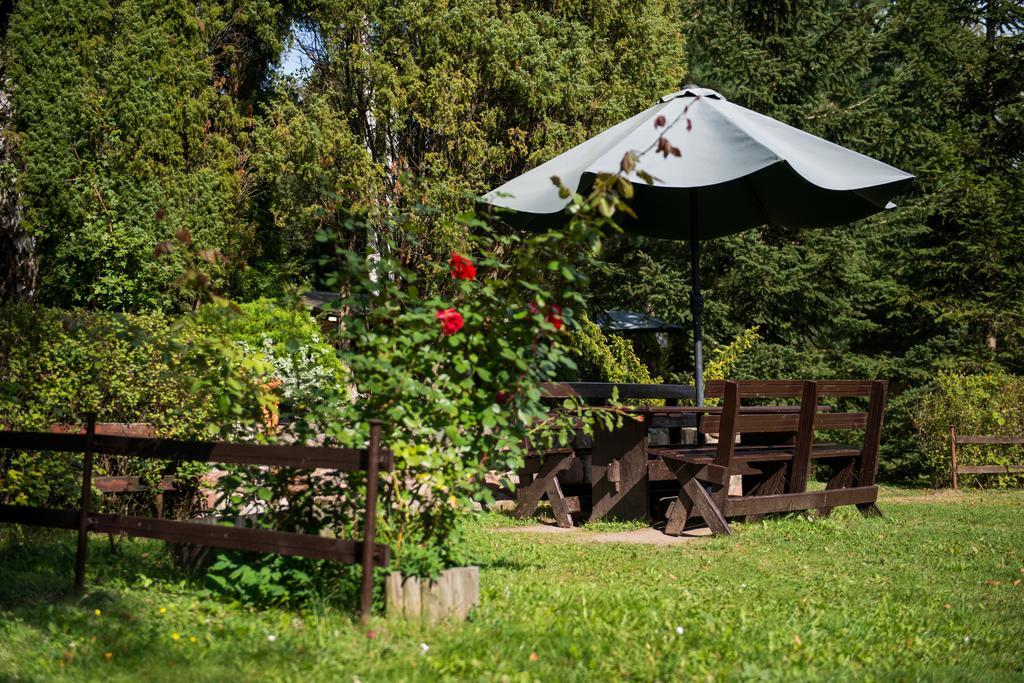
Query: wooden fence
<point x="371" y="460"/>
<point x="956" y="439"/>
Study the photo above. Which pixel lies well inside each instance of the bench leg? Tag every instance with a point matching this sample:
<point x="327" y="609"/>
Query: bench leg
<point x="772" y="483"/>
<point x="678" y="515"/>
<point x="545" y="482"/>
<point x="841" y="478"/>
<point x="870" y="510"/>
<point x="694" y="498"/>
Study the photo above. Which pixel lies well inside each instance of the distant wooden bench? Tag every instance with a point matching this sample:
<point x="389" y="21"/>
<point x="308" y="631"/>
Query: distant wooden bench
<point x="123" y="484"/>
<point x="957" y="469"/>
<point x="781" y="473"/>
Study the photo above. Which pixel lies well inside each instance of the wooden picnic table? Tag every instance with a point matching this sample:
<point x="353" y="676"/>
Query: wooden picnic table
<point x="617" y="467"/>
<point x="774" y="459"/>
<point x="619" y="461"/>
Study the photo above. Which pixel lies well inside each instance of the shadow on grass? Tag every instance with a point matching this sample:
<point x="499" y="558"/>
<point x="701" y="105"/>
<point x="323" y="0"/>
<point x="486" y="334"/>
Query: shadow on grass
<point x="38" y="565"/>
<point x="70" y="631"/>
<point x="37" y="568"/>
<point x="506" y="563"/>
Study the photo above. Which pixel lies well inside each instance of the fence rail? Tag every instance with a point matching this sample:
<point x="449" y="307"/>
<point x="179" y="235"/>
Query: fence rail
<point x="371" y="460"/>
<point x="956" y="469"/>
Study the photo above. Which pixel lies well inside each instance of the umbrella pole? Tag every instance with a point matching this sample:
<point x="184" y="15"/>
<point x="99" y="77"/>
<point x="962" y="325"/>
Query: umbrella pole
<point x="696" y="302"/>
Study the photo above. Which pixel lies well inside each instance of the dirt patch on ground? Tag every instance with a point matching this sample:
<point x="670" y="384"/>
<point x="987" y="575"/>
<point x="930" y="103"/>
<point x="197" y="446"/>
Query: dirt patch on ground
<point x="635" y="536"/>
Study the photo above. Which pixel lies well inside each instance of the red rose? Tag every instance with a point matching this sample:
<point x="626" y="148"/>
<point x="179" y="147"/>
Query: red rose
<point x="451" y="321"/>
<point x="502" y="397"/>
<point x="554" y="316"/>
<point x="461" y="267"/>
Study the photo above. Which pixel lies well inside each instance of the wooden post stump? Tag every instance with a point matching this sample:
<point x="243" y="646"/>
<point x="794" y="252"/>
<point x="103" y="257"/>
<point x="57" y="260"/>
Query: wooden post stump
<point x="450" y="596"/>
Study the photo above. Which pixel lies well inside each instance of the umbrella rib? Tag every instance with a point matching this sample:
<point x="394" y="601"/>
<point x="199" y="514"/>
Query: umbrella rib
<point x="757" y="198"/>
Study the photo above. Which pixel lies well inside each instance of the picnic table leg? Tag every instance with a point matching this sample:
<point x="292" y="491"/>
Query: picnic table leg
<point x="559" y="506"/>
<point x="531" y="495"/>
<point x="525" y="481"/>
<point x="619" y="471"/>
<point x="680" y="509"/>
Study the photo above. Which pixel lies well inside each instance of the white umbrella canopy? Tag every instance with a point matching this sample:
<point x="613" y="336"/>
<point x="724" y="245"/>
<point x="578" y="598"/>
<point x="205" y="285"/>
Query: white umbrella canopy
<point x="737" y="170"/>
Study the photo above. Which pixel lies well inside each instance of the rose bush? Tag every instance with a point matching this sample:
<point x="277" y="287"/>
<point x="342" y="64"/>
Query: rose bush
<point x="450" y="356"/>
<point x="461" y="267"/>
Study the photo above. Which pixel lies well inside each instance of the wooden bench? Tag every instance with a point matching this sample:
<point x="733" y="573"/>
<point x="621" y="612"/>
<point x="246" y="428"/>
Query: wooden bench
<point x="778" y="473"/>
<point x="123" y="484"/>
<point x="540" y="475"/>
<point x="371" y="460"/>
<point x="957" y="469"/>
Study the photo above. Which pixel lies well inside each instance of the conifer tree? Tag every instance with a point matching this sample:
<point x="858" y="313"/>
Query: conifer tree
<point x="131" y="124"/>
<point x="462" y="94"/>
<point x="17" y="258"/>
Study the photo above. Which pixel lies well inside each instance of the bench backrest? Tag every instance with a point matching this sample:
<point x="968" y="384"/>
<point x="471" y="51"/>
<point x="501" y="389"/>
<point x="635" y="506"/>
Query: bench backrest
<point x="804" y="424"/>
<point x="783" y="388"/>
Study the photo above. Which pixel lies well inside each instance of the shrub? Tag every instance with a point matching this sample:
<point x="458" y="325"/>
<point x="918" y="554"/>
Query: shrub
<point x="131" y="121"/>
<point x="726" y="359"/>
<point x="56" y="366"/>
<point x="974" y="404"/>
<point x="302" y="370"/>
<point x="451" y="358"/>
<point x="175" y="374"/>
<point x="606" y="357"/>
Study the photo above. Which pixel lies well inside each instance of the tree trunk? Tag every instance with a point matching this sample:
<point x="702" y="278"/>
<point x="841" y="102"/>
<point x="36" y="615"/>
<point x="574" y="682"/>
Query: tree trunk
<point x="17" y="258"/>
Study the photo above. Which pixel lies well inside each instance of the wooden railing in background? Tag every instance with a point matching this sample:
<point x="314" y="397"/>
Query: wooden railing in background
<point x="955" y="439"/>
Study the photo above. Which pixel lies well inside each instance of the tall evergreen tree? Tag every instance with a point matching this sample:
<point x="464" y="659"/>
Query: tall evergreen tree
<point x="804" y="62"/>
<point x="952" y="107"/>
<point x="17" y="257"/>
<point x="934" y="88"/>
<point x="131" y="124"/>
<point x="463" y="94"/>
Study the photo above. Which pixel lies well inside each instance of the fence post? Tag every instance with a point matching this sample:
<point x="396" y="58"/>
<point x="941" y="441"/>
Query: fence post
<point x="370" y="528"/>
<point x="83" y="506"/>
<point x="952" y="447"/>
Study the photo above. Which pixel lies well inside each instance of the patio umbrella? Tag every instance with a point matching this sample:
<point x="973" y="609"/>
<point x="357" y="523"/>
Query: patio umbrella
<point x="631" y="321"/>
<point x="738" y="169"/>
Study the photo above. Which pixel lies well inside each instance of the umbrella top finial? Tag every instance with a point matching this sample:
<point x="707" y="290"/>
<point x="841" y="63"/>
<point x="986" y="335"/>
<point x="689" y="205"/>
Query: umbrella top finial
<point x="692" y="90"/>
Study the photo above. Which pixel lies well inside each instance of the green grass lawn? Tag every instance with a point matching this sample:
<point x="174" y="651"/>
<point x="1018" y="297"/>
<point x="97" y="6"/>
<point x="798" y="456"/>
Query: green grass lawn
<point x="931" y="592"/>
